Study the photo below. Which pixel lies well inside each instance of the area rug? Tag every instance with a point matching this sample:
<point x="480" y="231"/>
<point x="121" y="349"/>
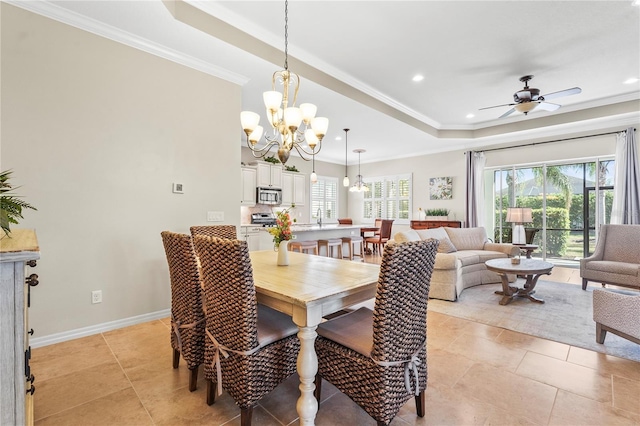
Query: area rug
<point x="565" y="317"/>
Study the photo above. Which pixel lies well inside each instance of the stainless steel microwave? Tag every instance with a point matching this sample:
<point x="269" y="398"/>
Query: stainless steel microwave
<point x="271" y="196"/>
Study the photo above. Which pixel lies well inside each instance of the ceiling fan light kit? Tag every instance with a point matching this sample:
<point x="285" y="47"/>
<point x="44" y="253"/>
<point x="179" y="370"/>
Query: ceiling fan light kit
<point x="529" y="98"/>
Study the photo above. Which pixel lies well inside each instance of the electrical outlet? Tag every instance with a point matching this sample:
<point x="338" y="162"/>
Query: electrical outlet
<point x="215" y="216"/>
<point x="96" y="296"/>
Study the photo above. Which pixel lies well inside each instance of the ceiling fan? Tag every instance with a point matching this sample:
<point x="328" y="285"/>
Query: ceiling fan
<point x="529" y="98"/>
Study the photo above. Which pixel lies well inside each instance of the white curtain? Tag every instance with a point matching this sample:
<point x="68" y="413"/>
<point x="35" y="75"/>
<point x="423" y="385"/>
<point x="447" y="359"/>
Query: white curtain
<point x="626" y="193"/>
<point x="475" y="189"/>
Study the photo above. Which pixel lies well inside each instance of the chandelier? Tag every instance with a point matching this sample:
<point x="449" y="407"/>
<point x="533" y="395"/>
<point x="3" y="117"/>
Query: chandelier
<point x="359" y="185"/>
<point x="286" y="121"/>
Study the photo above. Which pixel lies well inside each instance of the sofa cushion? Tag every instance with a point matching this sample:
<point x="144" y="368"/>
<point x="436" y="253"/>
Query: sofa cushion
<point x="484" y="255"/>
<point x="406" y="236"/>
<point x="613" y="267"/>
<point x="445" y="246"/>
<point x="468" y="257"/>
<point x="467" y="238"/>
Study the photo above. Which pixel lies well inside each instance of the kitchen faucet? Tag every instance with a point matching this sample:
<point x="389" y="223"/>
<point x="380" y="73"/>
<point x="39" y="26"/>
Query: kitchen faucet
<point x="319" y="214"/>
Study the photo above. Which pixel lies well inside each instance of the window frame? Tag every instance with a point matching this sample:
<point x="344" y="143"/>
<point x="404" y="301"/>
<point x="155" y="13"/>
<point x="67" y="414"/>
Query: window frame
<point x="312" y="211"/>
<point x="385" y="199"/>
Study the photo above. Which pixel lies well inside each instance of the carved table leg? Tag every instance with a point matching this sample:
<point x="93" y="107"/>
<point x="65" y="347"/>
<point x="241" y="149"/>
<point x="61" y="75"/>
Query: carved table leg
<point x="507" y="292"/>
<point x="529" y="287"/>
<point x="307" y="405"/>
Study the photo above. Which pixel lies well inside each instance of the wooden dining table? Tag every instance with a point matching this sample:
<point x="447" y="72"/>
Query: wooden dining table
<point x="309" y="288"/>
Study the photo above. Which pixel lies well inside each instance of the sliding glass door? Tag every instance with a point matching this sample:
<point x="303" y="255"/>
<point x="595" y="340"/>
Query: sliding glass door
<point x="568" y="203"/>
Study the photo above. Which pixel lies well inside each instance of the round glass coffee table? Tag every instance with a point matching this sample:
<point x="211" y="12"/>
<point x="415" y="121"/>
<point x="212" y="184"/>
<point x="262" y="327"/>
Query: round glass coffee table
<point x="531" y="269"/>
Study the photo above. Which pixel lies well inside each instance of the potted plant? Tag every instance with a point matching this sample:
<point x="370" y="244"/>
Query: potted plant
<point x="436" y="214"/>
<point x="10" y="204"/>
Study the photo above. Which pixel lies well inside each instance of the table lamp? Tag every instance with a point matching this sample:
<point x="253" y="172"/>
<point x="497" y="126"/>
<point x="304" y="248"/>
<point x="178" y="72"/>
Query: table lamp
<point x="518" y="216"/>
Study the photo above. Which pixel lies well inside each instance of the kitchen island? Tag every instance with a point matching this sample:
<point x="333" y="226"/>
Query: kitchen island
<point x="306" y="232"/>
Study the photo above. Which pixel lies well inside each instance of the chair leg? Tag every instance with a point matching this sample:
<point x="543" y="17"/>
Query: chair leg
<point x="193" y="379"/>
<point x="245" y="416"/>
<point x="420" y="404"/>
<point x="318" y="391"/>
<point x="600" y="333"/>
<point x="211" y="392"/>
<point x="176" y="358"/>
<point x="584" y="283"/>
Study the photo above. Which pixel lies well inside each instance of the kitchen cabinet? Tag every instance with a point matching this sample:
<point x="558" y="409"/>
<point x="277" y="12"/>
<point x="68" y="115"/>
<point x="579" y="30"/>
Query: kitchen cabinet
<point x="251" y="234"/>
<point x="294" y="189"/>
<point x="248" y="186"/>
<point x="16" y="379"/>
<point x="269" y="175"/>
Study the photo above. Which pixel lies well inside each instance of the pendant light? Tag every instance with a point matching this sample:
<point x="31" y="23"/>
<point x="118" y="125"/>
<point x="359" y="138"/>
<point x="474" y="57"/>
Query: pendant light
<point x="359" y="185"/>
<point x="313" y="177"/>
<point x="345" y="181"/>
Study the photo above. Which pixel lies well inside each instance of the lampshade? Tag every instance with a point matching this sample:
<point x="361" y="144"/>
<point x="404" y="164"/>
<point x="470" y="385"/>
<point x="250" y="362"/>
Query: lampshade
<point x="525" y="107"/>
<point x="519" y="215"/>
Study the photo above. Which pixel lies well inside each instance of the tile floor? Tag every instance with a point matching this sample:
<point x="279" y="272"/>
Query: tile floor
<point x="478" y="375"/>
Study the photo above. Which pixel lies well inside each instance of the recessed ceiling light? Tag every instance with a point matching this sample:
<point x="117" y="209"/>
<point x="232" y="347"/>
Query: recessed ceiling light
<point x="636" y="2"/>
<point x="470" y="115"/>
<point x="338" y="138"/>
<point x="632" y="79"/>
<point x="418" y="77"/>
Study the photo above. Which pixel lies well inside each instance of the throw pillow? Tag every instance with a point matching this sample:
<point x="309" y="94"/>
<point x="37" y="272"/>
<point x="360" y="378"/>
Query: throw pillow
<point x="406" y="236"/>
<point x="437" y="233"/>
<point x="446" y="246"/>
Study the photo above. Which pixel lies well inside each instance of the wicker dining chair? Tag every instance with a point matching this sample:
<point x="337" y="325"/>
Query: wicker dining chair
<point x="187" y="318"/>
<point x="250" y="349"/>
<point x="220" y="231"/>
<point x="378" y="358"/>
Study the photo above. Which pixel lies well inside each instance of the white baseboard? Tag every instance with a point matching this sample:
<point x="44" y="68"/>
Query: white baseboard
<point x="38" y="342"/>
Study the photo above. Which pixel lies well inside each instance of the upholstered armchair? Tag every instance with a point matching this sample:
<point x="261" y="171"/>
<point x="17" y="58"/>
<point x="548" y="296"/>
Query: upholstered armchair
<point x="616" y="259"/>
<point x="617" y="312"/>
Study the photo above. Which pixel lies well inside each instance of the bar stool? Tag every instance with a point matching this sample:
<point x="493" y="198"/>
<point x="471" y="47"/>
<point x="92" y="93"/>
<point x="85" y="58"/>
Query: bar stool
<point x="351" y="245"/>
<point x="330" y="244"/>
<point x="304" y="246"/>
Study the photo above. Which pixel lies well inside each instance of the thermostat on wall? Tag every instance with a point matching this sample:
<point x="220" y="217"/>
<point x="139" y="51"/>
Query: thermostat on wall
<point x="177" y="188"/>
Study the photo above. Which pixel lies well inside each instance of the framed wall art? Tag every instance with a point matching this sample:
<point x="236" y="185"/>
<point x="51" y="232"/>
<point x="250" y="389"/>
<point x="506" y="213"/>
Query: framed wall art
<point x="441" y="188"/>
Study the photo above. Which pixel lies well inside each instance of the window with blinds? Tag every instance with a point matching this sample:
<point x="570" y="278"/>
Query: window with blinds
<point x="389" y="197"/>
<point x="324" y="197"/>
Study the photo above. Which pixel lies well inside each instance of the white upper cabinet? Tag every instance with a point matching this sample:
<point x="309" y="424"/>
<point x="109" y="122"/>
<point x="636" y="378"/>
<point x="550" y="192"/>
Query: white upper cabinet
<point x="269" y="175"/>
<point x="294" y="189"/>
<point x="248" y="186"/>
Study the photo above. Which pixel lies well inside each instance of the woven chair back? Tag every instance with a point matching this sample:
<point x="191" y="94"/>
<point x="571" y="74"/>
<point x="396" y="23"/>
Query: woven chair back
<point x="219" y="231"/>
<point x="186" y="297"/>
<point x="400" y="312"/>
<point x="229" y="292"/>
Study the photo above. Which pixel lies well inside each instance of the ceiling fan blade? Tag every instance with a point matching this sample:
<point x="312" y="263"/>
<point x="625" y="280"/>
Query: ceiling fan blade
<point x="496" y="106"/>
<point x="547" y="106"/>
<point x="511" y="111"/>
<point x="566" y="92"/>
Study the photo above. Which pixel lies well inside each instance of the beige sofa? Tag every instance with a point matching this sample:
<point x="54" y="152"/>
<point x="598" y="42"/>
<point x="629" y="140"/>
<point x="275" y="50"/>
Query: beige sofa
<point x="616" y="259"/>
<point x="460" y="259"/>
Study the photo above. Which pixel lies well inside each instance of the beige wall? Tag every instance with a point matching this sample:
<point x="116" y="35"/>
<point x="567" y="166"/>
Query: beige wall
<point x="96" y="132"/>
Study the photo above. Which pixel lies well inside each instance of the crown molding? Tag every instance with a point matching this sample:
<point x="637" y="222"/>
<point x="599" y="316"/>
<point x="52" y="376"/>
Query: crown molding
<point x="66" y="16"/>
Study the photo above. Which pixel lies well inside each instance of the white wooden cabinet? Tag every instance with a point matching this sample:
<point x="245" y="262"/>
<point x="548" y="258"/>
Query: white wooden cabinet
<point x="249" y="175"/>
<point x="16" y="379"/>
<point x="269" y="175"/>
<point x="294" y="189"/>
<point x="251" y="234"/>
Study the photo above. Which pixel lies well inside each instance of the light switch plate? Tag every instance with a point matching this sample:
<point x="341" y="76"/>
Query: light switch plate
<point x="215" y="216"/>
<point x="178" y="188"/>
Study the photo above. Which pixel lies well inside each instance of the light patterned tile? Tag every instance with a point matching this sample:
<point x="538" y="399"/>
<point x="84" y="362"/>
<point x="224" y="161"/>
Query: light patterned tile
<point x="516" y="395"/>
<point x="514" y="339"/>
<point x="605" y="363"/>
<point x="572" y="409"/>
<point x="482" y="350"/>
<point x="565" y="375"/>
